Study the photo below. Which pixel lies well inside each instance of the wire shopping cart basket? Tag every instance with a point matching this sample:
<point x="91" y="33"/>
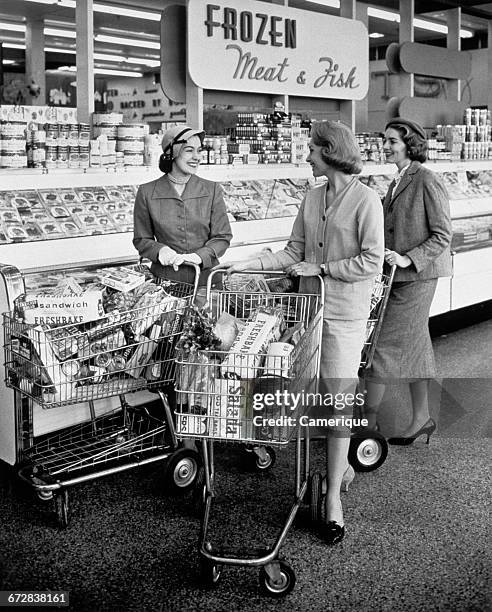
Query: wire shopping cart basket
<point x="81" y="368"/>
<point x="216" y="391"/>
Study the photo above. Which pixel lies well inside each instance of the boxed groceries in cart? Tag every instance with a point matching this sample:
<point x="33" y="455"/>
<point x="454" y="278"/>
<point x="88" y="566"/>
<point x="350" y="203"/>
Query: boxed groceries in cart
<point x="233" y="367"/>
<point x="73" y="342"/>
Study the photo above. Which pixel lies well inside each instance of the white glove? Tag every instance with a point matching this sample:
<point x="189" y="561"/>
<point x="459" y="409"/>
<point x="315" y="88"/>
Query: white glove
<point x="193" y="258"/>
<point x="166" y="255"/>
<point x="176" y="261"/>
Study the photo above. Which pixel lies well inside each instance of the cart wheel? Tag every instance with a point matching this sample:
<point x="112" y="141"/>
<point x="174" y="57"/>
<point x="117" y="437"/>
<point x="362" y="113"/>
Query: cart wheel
<point x="368" y="450"/>
<point x="198" y="500"/>
<point x="60" y="501"/>
<point x="209" y="573"/>
<point x="181" y="470"/>
<point x="280" y="587"/>
<point x="264" y="458"/>
<point x="316" y="497"/>
<point x="44" y="495"/>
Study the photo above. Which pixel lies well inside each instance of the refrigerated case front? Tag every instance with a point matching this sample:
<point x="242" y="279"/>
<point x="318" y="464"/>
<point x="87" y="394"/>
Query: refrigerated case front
<point x="52" y="223"/>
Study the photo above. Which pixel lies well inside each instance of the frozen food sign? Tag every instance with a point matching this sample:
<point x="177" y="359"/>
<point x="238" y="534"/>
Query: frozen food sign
<point x="252" y="46"/>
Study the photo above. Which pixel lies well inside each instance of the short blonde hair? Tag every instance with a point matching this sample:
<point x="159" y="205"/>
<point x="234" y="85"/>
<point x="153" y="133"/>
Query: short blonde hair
<point x="340" y="149"/>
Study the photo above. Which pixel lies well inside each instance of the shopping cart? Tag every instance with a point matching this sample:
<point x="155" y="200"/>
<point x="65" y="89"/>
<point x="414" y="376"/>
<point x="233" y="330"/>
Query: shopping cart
<point x="221" y="407"/>
<point x="105" y="370"/>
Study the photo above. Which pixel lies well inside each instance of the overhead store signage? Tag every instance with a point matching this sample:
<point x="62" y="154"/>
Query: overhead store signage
<point x="242" y="45"/>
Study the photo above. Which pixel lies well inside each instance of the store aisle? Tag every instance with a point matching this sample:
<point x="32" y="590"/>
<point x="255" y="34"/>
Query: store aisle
<point x="416" y="528"/>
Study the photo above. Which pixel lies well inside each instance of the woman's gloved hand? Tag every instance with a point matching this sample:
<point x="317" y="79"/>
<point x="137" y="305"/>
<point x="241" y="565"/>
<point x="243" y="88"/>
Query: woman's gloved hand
<point x="193" y="258"/>
<point x="169" y="257"/>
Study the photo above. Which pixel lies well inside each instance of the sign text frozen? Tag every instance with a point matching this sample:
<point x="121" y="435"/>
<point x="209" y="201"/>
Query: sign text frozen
<point x="245" y="45"/>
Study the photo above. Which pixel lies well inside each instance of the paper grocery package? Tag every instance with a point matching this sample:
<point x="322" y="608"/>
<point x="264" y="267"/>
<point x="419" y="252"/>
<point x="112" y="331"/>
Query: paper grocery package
<point x="230" y="410"/>
<point x="246" y="353"/>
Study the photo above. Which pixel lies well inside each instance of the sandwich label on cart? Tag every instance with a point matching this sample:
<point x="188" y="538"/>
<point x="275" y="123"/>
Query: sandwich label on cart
<point x="46" y="309"/>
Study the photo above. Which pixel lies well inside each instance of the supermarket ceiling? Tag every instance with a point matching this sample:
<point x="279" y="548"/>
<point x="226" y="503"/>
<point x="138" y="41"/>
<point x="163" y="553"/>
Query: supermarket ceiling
<point x="126" y="32"/>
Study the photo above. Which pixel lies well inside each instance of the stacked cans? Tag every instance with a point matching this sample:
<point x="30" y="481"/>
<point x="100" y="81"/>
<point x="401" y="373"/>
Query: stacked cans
<point x="131" y="142"/>
<point x="371" y="147"/>
<point x="106" y="124"/>
<point x="36" y="145"/>
<point x="13" y="141"/>
<point x="269" y="138"/>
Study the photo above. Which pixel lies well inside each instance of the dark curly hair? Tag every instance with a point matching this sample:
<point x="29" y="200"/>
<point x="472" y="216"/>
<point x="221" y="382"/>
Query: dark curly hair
<point x="340" y="150"/>
<point x="415" y="144"/>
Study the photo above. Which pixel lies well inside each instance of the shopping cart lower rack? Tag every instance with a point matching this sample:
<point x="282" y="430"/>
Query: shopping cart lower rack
<point x="214" y="404"/>
<point x="88" y="370"/>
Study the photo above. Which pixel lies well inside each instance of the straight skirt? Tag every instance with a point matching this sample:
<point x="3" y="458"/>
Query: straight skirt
<point x="404" y="347"/>
<point x="341" y="349"/>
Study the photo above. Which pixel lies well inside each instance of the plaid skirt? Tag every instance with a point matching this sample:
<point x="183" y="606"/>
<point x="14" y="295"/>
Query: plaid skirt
<point x="404" y="347"/>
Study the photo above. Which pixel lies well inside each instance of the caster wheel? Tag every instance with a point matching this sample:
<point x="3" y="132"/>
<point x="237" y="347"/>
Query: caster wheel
<point x="281" y="586"/>
<point x="198" y="500"/>
<point x="45" y="495"/>
<point x="60" y="501"/>
<point x="368" y="450"/>
<point x="181" y="470"/>
<point x="209" y="573"/>
<point x="316" y="497"/>
<point x="264" y="458"/>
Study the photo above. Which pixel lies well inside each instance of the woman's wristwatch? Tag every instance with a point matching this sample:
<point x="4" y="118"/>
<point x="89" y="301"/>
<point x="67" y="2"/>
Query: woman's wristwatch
<point x="324" y="269"/>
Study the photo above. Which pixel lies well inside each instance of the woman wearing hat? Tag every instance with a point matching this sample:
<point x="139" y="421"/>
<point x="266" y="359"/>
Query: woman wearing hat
<point x="337" y="234"/>
<point x="417" y="237"/>
<point x="180" y="217"/>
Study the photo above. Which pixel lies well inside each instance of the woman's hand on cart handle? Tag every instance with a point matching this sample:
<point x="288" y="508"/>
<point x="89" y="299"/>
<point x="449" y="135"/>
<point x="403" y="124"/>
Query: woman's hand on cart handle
<point x="240" y="266"/>
<point x="395" y="259"/>
<point x="304" y="268"/>
<point x="192" y="258"/>
<point x="169" y="257"/>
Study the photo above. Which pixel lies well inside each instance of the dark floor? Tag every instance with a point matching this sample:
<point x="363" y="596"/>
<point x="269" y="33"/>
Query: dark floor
<point x="417" y="528"/>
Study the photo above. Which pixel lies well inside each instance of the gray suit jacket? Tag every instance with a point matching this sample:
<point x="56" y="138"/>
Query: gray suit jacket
<point x="196" y="222"/>
<point x="417" y="223"/>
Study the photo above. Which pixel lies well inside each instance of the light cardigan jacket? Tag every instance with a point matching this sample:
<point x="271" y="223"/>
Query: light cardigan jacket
<point x="417" y="223"/>
<point x="348" y="237"/>
<point x="195" y="222"/>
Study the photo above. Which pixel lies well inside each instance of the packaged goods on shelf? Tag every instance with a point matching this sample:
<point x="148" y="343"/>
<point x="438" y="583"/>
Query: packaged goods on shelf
<point x="470" y="140"/>
<point x="64" y="212"/>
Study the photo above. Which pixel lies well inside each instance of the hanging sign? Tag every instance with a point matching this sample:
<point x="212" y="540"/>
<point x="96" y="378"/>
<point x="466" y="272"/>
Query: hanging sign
<point x="243" y="45"/>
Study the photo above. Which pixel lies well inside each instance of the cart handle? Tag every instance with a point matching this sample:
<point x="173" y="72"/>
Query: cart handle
<point x="262" y="272"/>
<point x="195" y="267"/>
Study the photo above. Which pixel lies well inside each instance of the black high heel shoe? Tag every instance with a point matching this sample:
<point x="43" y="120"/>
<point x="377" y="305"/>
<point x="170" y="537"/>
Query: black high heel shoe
<point x="427" y="429"/>
<point x="331" y="532"/>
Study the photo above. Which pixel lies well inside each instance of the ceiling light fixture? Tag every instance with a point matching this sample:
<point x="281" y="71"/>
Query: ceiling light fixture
<point x="104" y="71"/>
<point x="126" y="12"/>
<point x="60" y="33"/>
<point x="7" y="45"/>
<point x="376" y="35"/>
<point x="422" y="24"/>
<point x="105" y="8"/>
<point x="331" y="3"/>
<point x="127" y="42"/>
<point x="12" y="27"/>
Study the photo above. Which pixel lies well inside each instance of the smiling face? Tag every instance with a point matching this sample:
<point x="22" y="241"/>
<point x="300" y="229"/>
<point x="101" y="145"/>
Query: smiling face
<point x="395" y="149"/>
<point x="314" y="159"/>
<point x="188" y="158"/>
